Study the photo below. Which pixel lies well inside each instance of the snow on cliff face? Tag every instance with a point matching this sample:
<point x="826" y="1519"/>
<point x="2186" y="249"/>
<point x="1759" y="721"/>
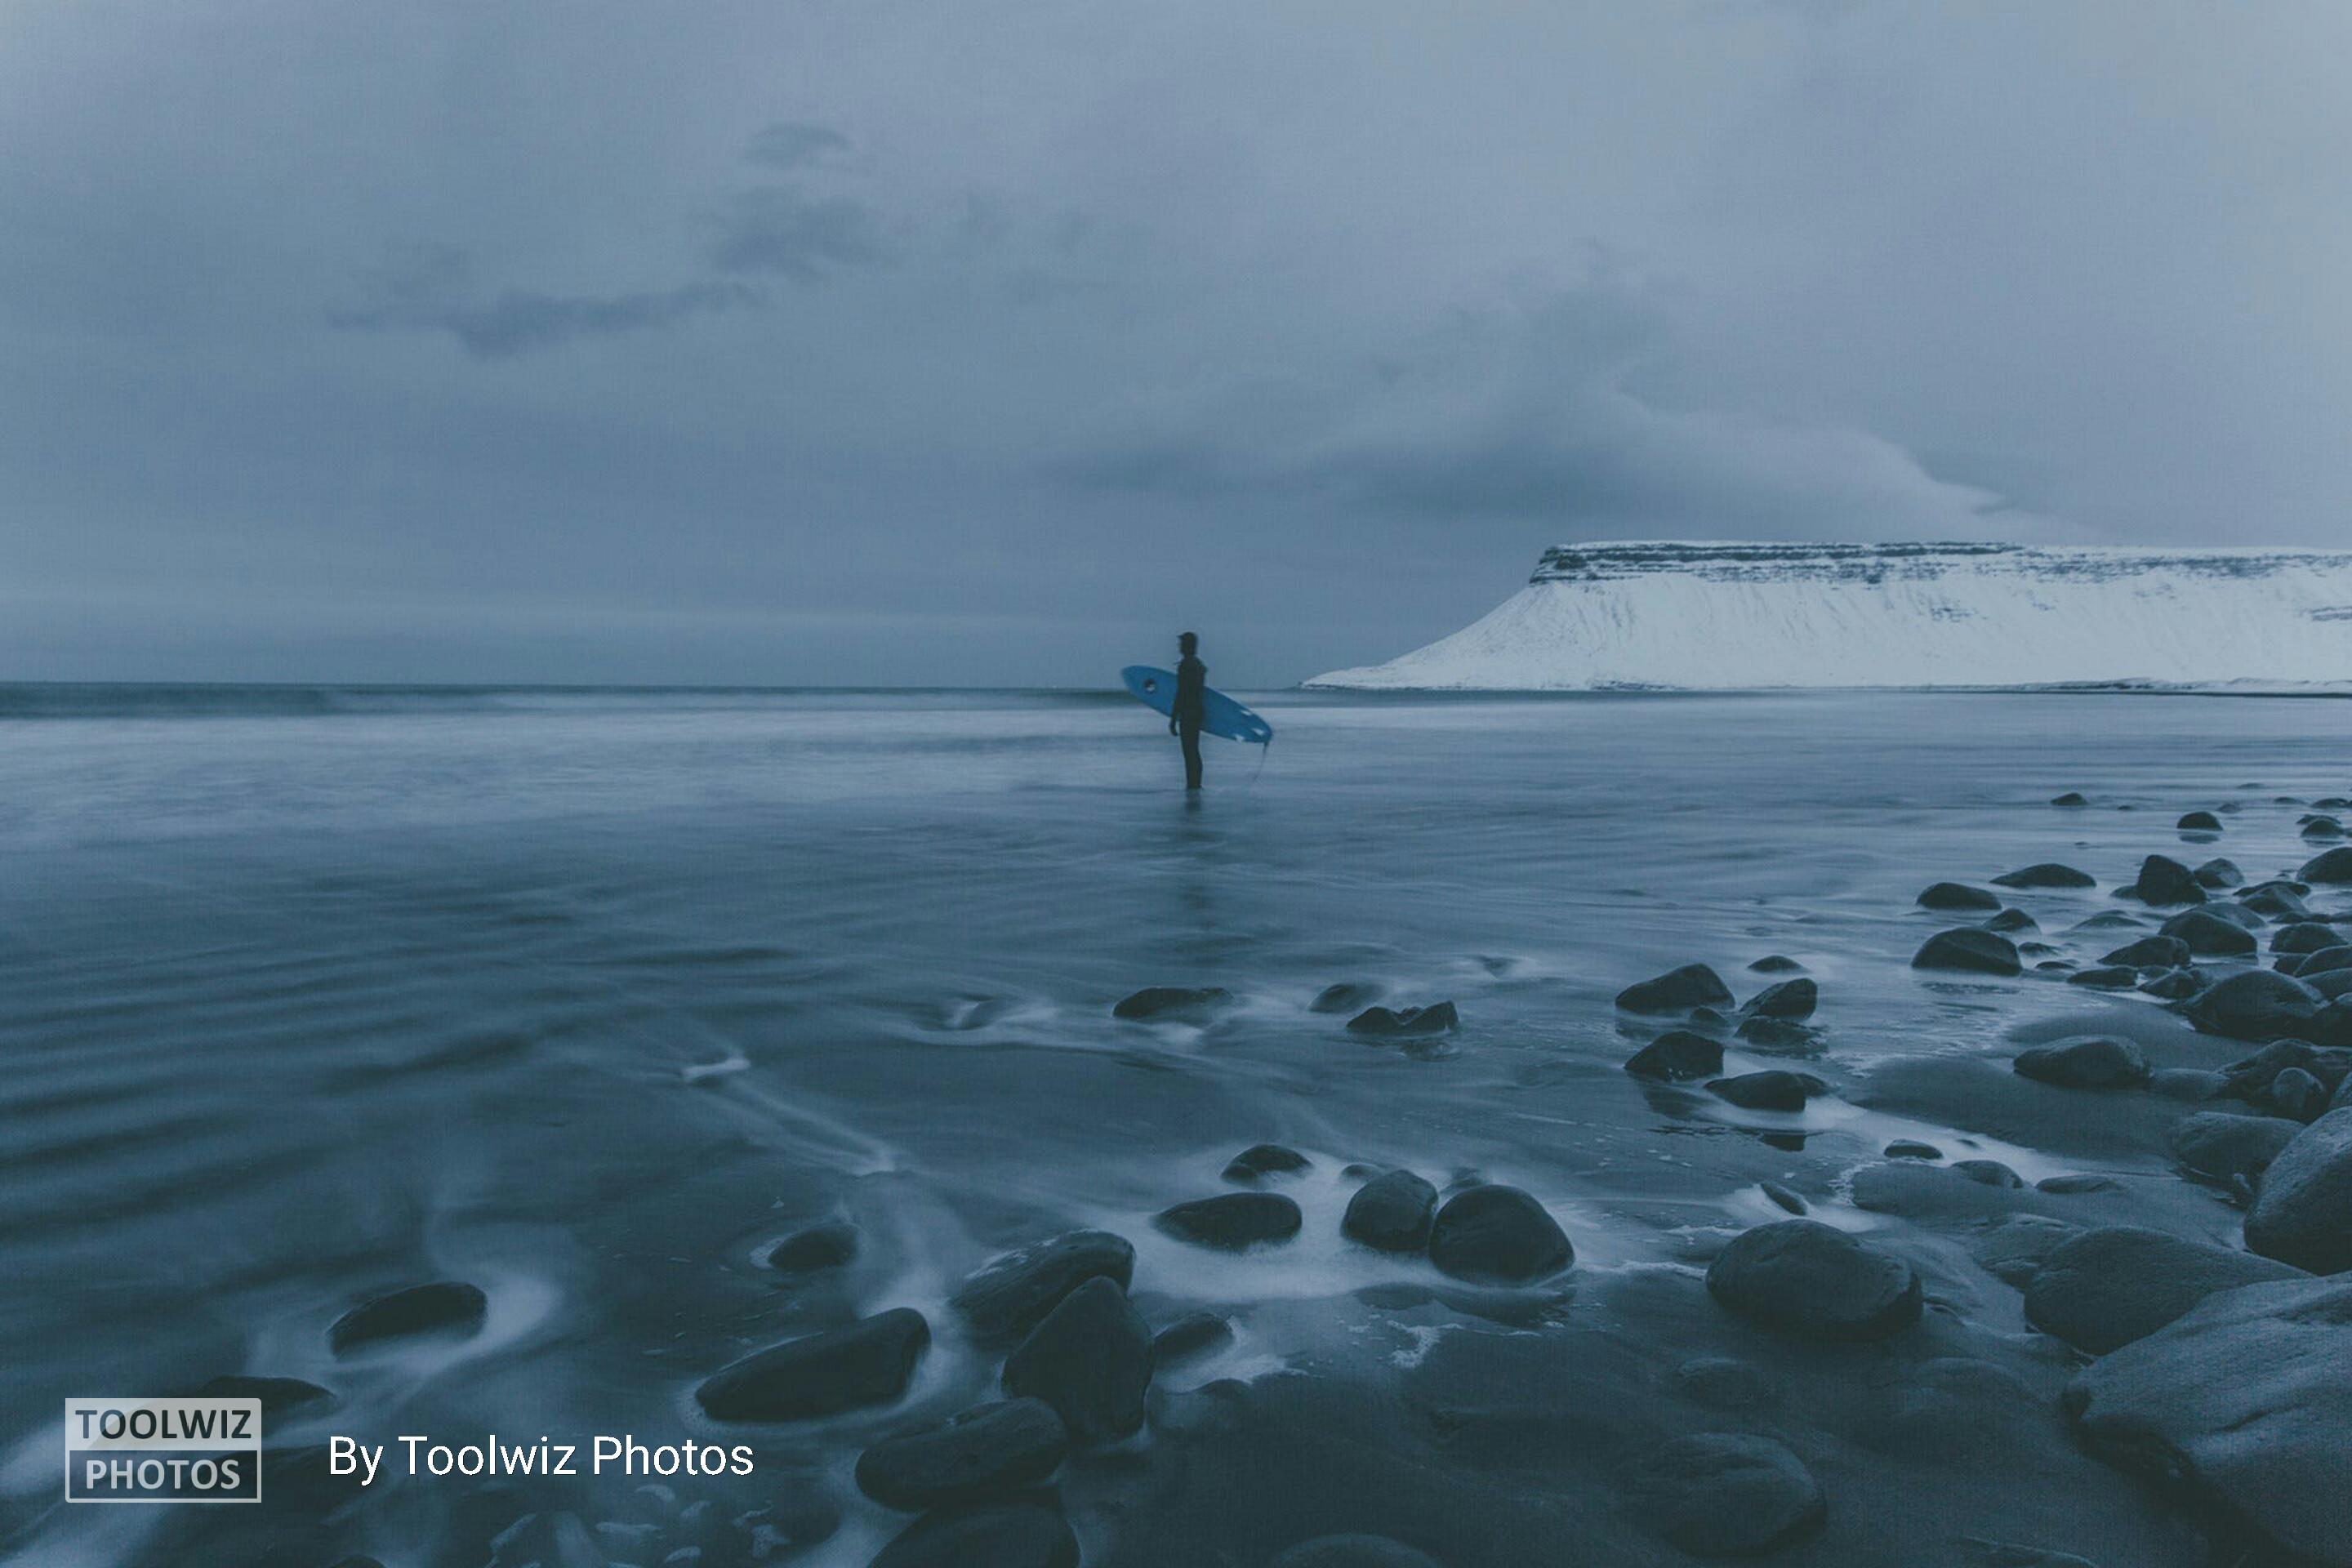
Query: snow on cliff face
<point x="1733" y="616"/>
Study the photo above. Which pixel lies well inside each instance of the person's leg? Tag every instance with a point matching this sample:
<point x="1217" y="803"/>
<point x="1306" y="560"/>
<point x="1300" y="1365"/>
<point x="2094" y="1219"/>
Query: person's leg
<point x="1191" y="735"/>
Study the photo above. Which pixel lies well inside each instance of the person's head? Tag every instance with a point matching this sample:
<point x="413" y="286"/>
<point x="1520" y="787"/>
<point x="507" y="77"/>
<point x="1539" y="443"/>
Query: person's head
<point x="1187" y="644"/>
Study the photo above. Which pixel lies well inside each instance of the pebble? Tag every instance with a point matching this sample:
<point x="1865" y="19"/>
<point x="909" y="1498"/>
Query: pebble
<point x="1958" y="896"/>
<point x="447" y="1308"/>
<point x="1011" y="1295"/>
<point x="1771" y="1090"/>
<point x="1399" y="1023"/>
<point x="1392" y="1212"/>
<point x="2047" y="874"/>
<point x="2098" y="1062"/>
<point x="1676" y="1055"/>
<point x="1677" y="990"/>
<point x="2163" y="881"/>
<point x="1090" y="1360"/>
<point x="1260" y="1160"/>
<point x="1232" y="1221"/>
<point x="1968" y="949"/>
<point x="1497" y="1236"/>
<point x="868" y="1362"/>
<point x="1803" y="1277"/>
<point x="1186" y="1003"/>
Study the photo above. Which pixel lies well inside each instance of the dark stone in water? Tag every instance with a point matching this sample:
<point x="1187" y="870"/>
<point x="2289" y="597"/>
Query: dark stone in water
<point x="2279" y="900"/>
<point x="1794" y="1000"/>
<point x="2256" y="1005"/>
<point x="2072" y="797"/>
<point x="979" y="1453"/>
<point x="2306" y="937"/>
<point x="2013" y="1249"/>
<point x="2323" y="827"/>
<point x="2328" y="865"/>
<point x="1091" y="1360"/>
<point x="2066" y="1186"/>
<point x="1392" y="1212"/>
<point x="2199" y="822"/>
<point x="2098" y="1062"/>
<point x="2243" y="1403"/>
<point x="2107" y="920"/>
<point x="2151" y="953"/>
<point x="1778" y="1037"/>
<point x="1011" y="1295"/>
<point x="1786" y="1197"/>
<point x="1348" y="996"/>
<point x="868" y="1362"/>
<point x="1707" y="1018"/>
<point x="1775" y="963"/>
<point x="2308" y="967"/>
<point x="1958" y="896"/>
<point x="2012" y="920"/>
<point x="2106" y="1288"/>
<point x="2164" y="880"/>
<point x="828" y="1244"/>
<point x="1497" y="1236"/>
<point x="2227" y="1147"/>
<point x="447" y="1308"/>
<point x="2210" y="936"/>
<point x="2191" y="1084"/>
<point x="1719" y="1494"/>
<point x="1396" y="1023"/>
<point x="997" y="1535"/>
<point x="1966" y="948"/>
<point x="1195" y="1333"/>
<point x="1352" y="1551"/>
<point x="1180" y="1002"/>
<point x="1232" y="1221"/>
<point x="2174" y="984"/>
<point x="2218" y="873"/>
<point x="2047" y="874"/>
<point x="1802" y="1277"/>
<point x="2106" y="979"/>
<point x="1675" y="1055"/>
<point x="2296" y="1093"/>
<point x="2252" y="1079"/>
<point x="1912" y="1149"/>
<point x="1260" y="1160"/>
<point x="279" y="1396"/>
<point x="1677" y="990"/>
<point x="1771" y="1090"/>
<point x="1987" y="1173"/>
<point x="2302" y="1210"/>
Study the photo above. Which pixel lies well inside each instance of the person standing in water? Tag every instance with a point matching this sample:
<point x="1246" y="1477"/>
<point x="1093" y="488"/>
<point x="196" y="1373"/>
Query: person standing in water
<point x="1185" y="714"/>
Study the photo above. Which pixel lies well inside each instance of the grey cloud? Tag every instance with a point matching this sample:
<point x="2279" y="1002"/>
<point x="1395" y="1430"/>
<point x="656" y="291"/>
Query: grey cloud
<point x="799" y="144"/>
<point x="428" y="288"/>
<point x="781" y="230"/>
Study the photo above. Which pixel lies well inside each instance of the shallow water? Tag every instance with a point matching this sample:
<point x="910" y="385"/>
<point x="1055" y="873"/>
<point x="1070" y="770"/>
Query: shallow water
<point x="588" y="997"/>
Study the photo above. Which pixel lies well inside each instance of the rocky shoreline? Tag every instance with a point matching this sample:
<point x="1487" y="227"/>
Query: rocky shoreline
<point x="1931" y="1357"/>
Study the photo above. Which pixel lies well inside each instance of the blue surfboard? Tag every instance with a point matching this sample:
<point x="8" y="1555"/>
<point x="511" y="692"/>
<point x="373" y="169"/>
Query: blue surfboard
<point x="1219" y="714"/>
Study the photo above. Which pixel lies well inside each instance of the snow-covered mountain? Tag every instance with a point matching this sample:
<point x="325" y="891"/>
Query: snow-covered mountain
<point x="1733" y="616"/>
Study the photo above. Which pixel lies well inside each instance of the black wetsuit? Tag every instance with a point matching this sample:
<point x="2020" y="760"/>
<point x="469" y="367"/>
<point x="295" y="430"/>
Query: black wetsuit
<point x="1192" y="680"/>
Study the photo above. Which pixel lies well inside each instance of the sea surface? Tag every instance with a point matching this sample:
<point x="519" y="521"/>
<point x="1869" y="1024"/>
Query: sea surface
<point x="588" y="997"/>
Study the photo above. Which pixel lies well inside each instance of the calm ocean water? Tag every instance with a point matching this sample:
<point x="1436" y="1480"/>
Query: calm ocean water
<point x="589" y="996"/>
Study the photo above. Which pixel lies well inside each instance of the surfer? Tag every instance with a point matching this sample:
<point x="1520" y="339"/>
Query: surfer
<point x="1185" y="714"/>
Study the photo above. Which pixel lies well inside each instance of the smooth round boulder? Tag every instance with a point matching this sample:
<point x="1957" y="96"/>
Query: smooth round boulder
<point x="1958" y="896"/>
<point x="1195" y="1333"/>
<point x="1405" y="1023"/>
<point x="992" y="1535"/>
<point x="1677" y="991"/>
<point x="2102" y="1290"/>
<point x="1352" y="1551"/>
<point x="2304" y="936"/>
<point x="447" y="1308"/>
<point x="1911" y="1148"/>
<point x="1794" y="1000"/>
<point x="2296" y="1093"/>
<point x="2229" y="1148"/>
<point x="1771" y="1090"/>
<point x="2302" y="1210"/>
<point x="1968" y="950"/>
<point x="814" y="1248"/>
<point x="2199" y="822"/>
<point x="1776" y="963"/>
<point x="1987" y="1173"/>
<point x="1090" y="1360"/>
<point x="1232" y="1221"/>
<point x="1260" y="1160"/>
<point x="1497" y="1236"/>
<point x="1012" y="1294"/>
<point x="2163" y="881"/>
<point x="868" y="1362"/>
<point x="2046" y="874"/>
<point x="2239" y="1408"/>
<point x="1183" y="1003"/>
<point x="1676" y="1055"/>
<point x="2208" y="935"/>
<point x="2256" y="1005"/>
<point x="1802" y="1277"/>
<point x="1778" y="1037"/>
<point x="2151" y="953"/>
<point x="2218" y="873"/>
<point x="1721" y="1494"/>
<point x="2331" y="865"/>
<point x="1347" y="996"/>
<point x="2099" y="1061"/>
<point x="2114" y="978"/>
<point x="1392" y="1212"/>
<point x="979" y="1453"/>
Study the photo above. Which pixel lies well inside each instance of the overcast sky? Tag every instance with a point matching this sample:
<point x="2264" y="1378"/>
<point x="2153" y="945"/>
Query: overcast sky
<point x="854" y="340"/>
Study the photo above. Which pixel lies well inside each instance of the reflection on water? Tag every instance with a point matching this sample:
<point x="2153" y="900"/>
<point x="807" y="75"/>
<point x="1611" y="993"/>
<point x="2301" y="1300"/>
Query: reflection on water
<point x="589" y="998"/>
